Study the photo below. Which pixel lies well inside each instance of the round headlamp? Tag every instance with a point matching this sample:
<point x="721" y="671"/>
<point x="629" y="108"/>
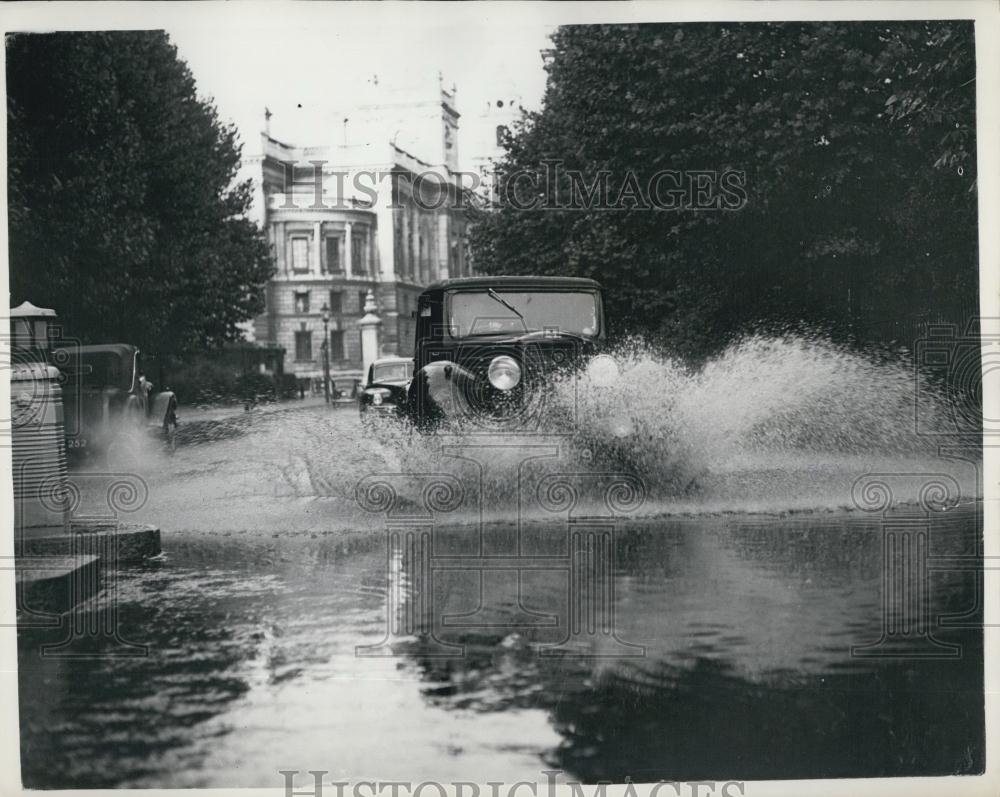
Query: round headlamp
<point x="376" y="399"/>
<point x="603" y="370"/>
<point x="504" y="373"/>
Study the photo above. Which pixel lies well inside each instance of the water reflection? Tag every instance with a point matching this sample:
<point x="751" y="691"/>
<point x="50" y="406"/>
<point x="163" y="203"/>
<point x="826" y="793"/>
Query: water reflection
<point x="748" y="627"/>
<point x="746" y="623"/>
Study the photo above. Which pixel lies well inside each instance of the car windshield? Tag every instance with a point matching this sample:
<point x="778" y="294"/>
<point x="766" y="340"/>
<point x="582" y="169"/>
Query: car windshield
<point x="391" y="372"/>
<point x="475" y="313"/>
<point x="103" y="369"/>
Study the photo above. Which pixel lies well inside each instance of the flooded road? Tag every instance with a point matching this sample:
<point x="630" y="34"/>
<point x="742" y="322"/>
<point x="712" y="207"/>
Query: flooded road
<point x="464" y="623"/>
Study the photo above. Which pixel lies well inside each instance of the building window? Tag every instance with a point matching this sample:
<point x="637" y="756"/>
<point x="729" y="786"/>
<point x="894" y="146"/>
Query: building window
<point x="337" y="345"/>
<point x="362" y="298"/>
<point x="303" y="345"/>
<point x="336" y="302"/>
<point x="357" y="252"/>
<point x="300" y="254"/>
<point x="333" y="264"/>
<point x="501" y="134"/>
<point x="301" y="302"/>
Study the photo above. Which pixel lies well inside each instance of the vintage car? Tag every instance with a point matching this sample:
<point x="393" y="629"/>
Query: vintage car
<point x="384" y="390"/>
<point x="488" y="349"/>
<point x="108" y="398"/>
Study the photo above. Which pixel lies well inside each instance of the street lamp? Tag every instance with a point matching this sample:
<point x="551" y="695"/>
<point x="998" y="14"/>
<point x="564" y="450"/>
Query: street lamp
<point x="325" y="310"/>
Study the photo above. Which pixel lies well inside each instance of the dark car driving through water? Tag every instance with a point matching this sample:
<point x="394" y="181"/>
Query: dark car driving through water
<point x="384" y="391"/>
<point x="488" y="350"/>
<point x="110" y="401"/>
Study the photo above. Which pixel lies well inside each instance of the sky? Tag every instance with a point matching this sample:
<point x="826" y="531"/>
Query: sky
<point x="329" y="64"/>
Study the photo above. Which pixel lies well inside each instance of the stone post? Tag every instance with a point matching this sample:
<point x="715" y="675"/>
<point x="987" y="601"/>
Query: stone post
<point x="371" y="334"/>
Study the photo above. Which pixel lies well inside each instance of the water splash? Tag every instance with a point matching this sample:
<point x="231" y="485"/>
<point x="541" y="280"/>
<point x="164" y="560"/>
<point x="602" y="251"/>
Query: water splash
<point x="773" y="424"/>
<point x="760" y="394"/>
<point x="765" y="409"/>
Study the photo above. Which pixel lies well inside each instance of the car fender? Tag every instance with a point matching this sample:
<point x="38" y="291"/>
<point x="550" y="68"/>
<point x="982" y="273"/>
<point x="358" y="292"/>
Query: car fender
<point x="163" y="406"/>
<point x="439" y="390"/>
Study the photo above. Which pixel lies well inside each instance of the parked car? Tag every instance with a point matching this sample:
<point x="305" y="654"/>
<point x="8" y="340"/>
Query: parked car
<point x="487" y="349"/>
<point x="384" y="390"/>
<point x="108" y="398"/>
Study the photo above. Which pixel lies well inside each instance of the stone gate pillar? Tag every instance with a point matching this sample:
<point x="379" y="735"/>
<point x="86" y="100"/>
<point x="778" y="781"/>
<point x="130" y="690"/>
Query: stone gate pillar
<point x="371" y="334"/>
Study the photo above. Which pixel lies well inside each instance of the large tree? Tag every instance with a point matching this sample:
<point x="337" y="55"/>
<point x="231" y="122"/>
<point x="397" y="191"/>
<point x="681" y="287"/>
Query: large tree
<point x="857" y="145"/>
<point x="124" y="211"/>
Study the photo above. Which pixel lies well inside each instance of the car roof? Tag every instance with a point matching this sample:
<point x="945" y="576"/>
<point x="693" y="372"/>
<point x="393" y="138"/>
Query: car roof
<point x="122" y="349"/>
<point x="387" y="360"/>
<point x="508" y="281"/>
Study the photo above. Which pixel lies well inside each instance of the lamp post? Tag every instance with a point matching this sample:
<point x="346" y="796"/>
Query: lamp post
<point x="325" y="310"/>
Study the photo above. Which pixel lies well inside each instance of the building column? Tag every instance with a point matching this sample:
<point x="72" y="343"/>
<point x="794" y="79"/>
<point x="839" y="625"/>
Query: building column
<point x="348" y="254"/>
<point x="279" y="246"/>
<point x="317" y="258"/>
<point x="385" y="242"/>
<point x="416" y="268"/>
<point x="406" y="264"/>
<point x="443" y="246"/>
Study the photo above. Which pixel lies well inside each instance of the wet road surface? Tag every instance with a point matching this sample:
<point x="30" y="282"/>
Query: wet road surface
<point x="286" y="627"/>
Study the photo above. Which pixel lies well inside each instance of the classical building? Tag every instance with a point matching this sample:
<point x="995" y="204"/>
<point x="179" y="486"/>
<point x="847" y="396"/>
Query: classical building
<point x="378" y="209"/>
<point x="494" y="122"/>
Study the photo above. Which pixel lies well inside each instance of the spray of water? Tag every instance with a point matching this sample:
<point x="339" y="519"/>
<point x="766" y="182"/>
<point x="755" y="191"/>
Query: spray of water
<point x="769" y="419"/>
<point x="772" y="423"/>
<point x="789" y="394"/>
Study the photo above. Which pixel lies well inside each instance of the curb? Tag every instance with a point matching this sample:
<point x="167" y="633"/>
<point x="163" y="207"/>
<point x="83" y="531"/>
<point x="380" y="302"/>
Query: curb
<point x="55" y="584"/>
<point x="135" y="542"/>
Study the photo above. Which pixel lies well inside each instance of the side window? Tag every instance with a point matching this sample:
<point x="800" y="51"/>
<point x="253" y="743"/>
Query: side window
<point x="358" y="264"/>
<point x="300" y="254"/>
<point x="333" y="265"/>
<point x="303" y="345"/>
<point x="337" y="345"/>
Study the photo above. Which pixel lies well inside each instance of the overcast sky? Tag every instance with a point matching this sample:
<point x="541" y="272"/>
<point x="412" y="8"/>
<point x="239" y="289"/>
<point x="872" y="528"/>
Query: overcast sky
<point x="329" y="65"/>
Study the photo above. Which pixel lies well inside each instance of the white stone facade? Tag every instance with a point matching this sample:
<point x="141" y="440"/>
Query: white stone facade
<point x="361" y="214"/>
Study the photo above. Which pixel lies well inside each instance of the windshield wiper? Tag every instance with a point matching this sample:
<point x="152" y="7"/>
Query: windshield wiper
<point x="496" y="296"/>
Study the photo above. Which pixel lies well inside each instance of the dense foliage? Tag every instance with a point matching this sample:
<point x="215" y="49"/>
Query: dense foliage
<point x="857" y="146"/>
<point x="124" y="214"/>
